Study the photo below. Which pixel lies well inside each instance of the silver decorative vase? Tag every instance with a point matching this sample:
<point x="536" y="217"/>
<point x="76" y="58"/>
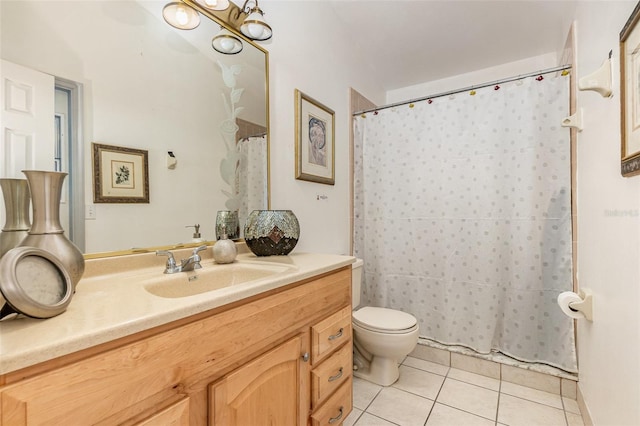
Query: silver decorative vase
<point x="227" y="224"/>
<point x="271" y="232"/>
<point x="16" y="202"/>
<point x="46" y="231"/>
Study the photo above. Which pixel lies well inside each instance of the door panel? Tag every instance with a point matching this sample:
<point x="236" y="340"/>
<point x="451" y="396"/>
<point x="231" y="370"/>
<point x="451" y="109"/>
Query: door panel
<point x="26" y="122"/>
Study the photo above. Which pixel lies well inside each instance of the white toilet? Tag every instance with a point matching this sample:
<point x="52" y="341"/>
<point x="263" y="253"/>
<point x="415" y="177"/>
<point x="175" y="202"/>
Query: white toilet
<point x="381" y="337"/>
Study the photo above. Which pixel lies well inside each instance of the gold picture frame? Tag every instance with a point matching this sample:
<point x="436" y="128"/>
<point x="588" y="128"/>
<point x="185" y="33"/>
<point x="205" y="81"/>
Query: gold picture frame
<point x="315" y="140"/>
<point x="120" y="175"/>
<point x="630" y="94"/>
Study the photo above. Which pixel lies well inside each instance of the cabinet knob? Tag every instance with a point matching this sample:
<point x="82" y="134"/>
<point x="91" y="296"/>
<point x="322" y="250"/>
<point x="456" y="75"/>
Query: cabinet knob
<point x="305" y="357"/>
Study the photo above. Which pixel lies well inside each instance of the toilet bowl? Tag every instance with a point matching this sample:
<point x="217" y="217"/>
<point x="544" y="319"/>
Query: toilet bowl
<point x="381" y="337"/>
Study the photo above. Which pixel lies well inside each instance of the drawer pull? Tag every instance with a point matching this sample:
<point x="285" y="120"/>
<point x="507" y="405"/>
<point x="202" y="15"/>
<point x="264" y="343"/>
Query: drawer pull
<point x="332" y="420"/>
<point x="337" y="376"/>
<point x="335" y="336"/>
<point x="305" y="357"/>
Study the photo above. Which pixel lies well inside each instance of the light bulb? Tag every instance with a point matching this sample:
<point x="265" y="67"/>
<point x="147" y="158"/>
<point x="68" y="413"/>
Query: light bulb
<point x="255" y="30"/>
<point x="211" y="3"/>
<point x="227" y="44"/>
<point x="181" y="15"/>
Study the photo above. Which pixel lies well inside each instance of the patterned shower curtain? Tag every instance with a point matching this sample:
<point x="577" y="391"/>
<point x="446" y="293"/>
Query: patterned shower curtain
<point x="463" y="217"/>
<point x="251" y="178"/>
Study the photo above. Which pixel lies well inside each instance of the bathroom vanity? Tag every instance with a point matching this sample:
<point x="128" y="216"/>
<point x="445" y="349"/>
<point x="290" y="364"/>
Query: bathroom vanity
<point x="273" y="350"/>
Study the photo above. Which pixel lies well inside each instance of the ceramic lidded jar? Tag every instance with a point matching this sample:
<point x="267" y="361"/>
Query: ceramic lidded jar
<point x="46" y="231"/>
<point x="271" y="232"/>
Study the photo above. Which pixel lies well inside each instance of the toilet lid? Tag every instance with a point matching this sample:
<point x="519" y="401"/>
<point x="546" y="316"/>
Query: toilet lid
<point x="383" y="319"/>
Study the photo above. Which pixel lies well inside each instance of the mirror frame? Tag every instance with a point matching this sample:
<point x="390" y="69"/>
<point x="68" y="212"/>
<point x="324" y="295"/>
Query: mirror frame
<point x="231" y="23"/>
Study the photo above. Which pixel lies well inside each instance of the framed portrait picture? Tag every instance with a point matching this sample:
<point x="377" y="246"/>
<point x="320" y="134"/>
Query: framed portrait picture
<point x="315" y="140"/>
<point x="630" y="94"/>
<point x="120" y="175"/>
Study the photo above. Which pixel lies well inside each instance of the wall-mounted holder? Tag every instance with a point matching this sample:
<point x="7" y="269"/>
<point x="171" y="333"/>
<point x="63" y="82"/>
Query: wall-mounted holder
<point x="577" y="306"/>
<point x="599" y="80"/>
<point x="585" y="306"/>
<point x="574" y="120"/>
<point x="171" y="160"/>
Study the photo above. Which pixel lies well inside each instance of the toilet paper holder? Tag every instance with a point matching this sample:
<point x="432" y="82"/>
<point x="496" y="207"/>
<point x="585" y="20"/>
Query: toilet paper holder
<point x="585" y="306"/>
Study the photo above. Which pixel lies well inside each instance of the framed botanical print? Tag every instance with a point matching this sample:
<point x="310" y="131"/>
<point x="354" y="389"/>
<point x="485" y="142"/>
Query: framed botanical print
<point x="315" y="140"/>
<point x="630" y="94"/>
<point x="120" y="175"/>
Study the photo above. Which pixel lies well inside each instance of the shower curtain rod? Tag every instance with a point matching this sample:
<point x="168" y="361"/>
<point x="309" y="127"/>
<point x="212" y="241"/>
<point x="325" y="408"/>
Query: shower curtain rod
<point x="466" y="89"/>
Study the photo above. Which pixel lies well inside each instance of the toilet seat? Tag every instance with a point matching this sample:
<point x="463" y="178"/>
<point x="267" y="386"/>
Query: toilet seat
<point x="384" y="320"/>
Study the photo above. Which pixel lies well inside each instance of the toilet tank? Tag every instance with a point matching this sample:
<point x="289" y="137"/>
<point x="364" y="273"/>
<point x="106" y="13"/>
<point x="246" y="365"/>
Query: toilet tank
<point x="356" y="282"/>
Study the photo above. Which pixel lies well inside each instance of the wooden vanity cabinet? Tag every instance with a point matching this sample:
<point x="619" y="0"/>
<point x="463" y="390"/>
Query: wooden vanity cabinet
<point x="251" y="362"/>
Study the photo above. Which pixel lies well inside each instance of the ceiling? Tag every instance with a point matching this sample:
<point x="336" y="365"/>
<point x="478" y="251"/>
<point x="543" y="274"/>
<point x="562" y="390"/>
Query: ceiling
<point x="415" y="41"/>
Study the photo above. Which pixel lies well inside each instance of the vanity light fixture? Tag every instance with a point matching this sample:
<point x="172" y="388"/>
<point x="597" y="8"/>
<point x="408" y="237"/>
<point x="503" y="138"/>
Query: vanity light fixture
<point x="254" y="26"/>
<point x="214" y="4"/>
<point x="226" y="42"/>
<point x="181" y="16"/>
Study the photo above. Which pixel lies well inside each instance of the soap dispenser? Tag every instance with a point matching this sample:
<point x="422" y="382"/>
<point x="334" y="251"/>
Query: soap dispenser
<point x="224" y="250"/>
<point x="196" y="235"/>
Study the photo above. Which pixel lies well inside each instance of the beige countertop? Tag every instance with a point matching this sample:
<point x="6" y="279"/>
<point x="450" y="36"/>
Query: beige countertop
<point x="111" y="302"/>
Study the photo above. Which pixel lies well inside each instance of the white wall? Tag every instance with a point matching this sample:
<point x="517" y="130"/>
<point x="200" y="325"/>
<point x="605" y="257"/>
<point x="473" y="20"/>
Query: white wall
<point x="312" y="55"/>
<point x="477" y="77"/>
<point x="608" y="238"/>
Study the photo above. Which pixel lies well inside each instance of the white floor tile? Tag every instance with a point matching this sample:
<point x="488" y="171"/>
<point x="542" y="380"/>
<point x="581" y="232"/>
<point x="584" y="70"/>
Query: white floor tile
<point x="442" y="415"/>
<point x="551" y="399"/>
<point x="400" y="407"/>
<point x="419" y="382"/>
<point x="574" y="419"/>
<point x="369" y="420"/>
<point x="470" y="398"/>
<point x="364" y="392"/>
<point x="352" y="417"/>
<point x="520" y="412"/>
<point x="474" y="379"/>
<point x="429" y="366"/>
<point x="570" y="405"/>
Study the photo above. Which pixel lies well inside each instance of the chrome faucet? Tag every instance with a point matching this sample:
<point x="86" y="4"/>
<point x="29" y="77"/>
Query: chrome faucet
<point x="189" y="264"/>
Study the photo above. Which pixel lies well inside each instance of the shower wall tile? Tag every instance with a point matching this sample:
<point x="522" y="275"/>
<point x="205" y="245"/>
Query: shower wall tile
<point x="569" y="388"/>
<point x="532" y="379"/>
<point x="475" y="365"/>
<point x="431" y="367"/>
<point x="439" y="356"/>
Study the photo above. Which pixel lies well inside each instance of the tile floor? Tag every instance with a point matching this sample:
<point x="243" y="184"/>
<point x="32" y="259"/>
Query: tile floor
<point x="433" y="394"/>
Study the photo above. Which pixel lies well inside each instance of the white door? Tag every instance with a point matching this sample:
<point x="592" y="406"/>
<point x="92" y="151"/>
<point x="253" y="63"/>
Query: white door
<point x="26" y="122"/>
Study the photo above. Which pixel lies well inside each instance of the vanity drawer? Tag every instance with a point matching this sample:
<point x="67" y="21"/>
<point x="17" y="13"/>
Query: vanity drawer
<point x="330" y="374"/>
<point x="330" y="333"/>
<point x="336" y="409"/>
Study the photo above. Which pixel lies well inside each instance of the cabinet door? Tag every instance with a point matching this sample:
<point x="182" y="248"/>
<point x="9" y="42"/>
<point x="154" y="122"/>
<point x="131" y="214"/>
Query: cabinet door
<point x="175" y="415"/>
<point x="266" y="391"/>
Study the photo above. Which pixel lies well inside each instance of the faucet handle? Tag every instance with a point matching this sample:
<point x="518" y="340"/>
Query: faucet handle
<point x="171" y="261"/>
<point x="199" y="249"/>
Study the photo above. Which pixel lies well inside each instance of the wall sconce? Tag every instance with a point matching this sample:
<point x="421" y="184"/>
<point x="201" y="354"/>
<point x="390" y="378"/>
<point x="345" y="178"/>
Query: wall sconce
<point x="248" y="20"/>
<point x="181" y="16"/>
<point x="226" y="42"/>
<point x="254" y="26"/>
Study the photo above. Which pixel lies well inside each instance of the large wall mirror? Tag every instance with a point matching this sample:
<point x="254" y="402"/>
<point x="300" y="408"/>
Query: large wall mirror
<point x="123" y="77"/>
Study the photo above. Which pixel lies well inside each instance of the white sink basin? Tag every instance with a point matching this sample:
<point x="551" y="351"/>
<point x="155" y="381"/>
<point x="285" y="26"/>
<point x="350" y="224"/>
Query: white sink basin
<point x="211" y="277"/>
